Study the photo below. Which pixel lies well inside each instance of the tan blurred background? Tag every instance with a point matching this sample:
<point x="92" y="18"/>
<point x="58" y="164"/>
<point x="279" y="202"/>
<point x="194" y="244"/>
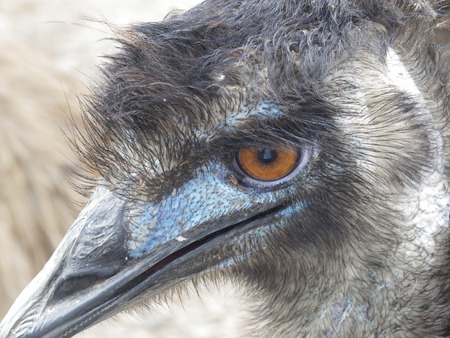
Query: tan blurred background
<point x="49" y="51"/>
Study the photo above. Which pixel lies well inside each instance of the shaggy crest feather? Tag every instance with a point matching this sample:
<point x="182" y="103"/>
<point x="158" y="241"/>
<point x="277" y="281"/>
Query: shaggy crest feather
<point x="165" y="80"/>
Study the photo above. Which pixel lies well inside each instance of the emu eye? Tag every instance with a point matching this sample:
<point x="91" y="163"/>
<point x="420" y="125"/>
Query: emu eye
<point x="269" y="164"/>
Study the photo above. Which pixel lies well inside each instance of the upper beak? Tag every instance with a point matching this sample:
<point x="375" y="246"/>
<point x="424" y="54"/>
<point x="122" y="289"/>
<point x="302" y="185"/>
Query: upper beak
<point x="110" y="259"/>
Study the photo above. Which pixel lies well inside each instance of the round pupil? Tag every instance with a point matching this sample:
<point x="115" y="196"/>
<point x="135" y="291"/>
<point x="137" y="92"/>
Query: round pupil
<point x="267" y="155"/>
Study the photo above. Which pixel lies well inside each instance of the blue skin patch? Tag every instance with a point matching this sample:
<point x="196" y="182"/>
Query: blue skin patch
<point x="263" y="109"/>
<point x="191" y="209"/>
<point x="208" y="201"/>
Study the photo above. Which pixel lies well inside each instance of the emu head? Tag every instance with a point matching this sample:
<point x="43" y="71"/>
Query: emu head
<point x="296" y="147"/>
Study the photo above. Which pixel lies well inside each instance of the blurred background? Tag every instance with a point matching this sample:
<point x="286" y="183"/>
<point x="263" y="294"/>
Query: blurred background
<point x="49" y="53"/>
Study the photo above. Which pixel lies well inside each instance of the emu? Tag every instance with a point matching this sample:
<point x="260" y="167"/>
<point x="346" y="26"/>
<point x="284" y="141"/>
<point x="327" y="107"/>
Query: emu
<point x="297" y="148"/>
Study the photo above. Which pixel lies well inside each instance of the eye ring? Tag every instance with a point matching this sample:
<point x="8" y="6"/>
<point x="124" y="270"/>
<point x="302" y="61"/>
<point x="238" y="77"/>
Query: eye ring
<point x="270" y="166"/>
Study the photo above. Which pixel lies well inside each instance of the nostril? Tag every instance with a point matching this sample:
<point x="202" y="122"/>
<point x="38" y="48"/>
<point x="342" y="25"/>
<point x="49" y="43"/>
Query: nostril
<point x="78" y="284"/>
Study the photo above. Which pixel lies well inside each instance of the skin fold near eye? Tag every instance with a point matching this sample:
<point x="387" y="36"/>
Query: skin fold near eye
<point x="268" y="164"/>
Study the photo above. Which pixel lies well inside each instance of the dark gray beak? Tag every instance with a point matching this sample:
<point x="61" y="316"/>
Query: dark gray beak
<point x="117" y="254"/>
<point x="90" y="267"/>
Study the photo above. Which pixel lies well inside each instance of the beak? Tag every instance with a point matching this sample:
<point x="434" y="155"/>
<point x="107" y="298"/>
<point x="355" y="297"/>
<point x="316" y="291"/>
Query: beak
<point x="118" y="253"/>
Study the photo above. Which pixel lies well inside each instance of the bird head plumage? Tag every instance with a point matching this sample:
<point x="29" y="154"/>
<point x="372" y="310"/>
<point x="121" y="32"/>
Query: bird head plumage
<point x="295" y="147"/>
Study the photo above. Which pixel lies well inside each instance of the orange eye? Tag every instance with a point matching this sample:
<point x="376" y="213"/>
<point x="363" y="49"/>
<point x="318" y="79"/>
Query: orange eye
<point x="268" y="164"/>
